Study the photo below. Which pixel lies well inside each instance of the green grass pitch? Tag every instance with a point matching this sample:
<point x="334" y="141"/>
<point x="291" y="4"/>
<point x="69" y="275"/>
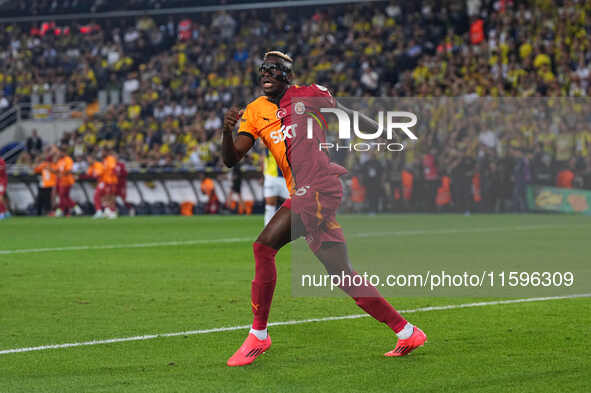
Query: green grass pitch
<point x="93" y="287"/>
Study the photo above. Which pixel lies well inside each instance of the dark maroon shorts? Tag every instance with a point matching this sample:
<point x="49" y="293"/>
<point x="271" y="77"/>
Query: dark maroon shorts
<point x="317" y="205"/>
<point x="111" y="189"/>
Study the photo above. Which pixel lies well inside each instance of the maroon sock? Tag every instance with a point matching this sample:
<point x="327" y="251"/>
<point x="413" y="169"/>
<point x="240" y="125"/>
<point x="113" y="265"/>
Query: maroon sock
<point x="263" y="285"/>
<point x="98" y="201"/>
<point x="71" y="202"/>
<point x="2" y="207"/>
<point x="368" y="298"/>
<point x="62" y="203"/>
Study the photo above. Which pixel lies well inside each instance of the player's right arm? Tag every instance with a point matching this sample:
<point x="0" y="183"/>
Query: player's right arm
<point x="233" y="150"/>
<point x="40" y="167"/>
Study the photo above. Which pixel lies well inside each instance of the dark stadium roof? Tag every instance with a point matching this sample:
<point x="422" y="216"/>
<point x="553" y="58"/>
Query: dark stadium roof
<point x="9" y="8"/>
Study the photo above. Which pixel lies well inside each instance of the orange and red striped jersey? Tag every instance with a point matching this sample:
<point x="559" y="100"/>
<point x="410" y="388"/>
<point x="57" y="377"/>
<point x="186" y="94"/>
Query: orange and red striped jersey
<point x="110" y="165"/>
<point x="96" y="170"/>
<point x="64" y="171"/>
<point x="48" y="177"/>
<point x="283" y="130"/>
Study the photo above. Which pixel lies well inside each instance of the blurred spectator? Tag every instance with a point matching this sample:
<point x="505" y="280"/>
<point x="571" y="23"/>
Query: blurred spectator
<point x="213" y="123"/>
<point x="542" y="168"/>
<point x="34" y="144"/>
<point x="462" y="170"/>
<point x="566" y="177"/>
<point x="432" y="180"/>
<point x="372" y="177"/>
<point x="225" y="23"/>
<point x="586" y="173"/>
<point x="492" y="183"/>
<point x="521" y="178"/>
<point x="370" y="80"/>
<point x="4" y="103"/>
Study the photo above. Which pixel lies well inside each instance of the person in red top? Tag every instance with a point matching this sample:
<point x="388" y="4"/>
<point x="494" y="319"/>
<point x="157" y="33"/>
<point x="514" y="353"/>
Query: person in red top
<point x="565" y="177"/>
<point x="121" y="189"/>
<point x="3" y="184"/>
<point x="279" y="119"/>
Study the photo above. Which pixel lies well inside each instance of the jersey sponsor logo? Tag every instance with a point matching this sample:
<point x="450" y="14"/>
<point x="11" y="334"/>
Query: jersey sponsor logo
<point x="302" y="190"/>
<point x="285" y="132"/>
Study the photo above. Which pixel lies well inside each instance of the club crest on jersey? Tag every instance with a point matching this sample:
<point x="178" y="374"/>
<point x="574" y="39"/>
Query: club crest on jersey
<point x="299" y="108"/>
<point x="281" y="113"/>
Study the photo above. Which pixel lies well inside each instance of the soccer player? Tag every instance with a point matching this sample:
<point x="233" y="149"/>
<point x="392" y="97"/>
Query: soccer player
<point x="110" y="180"/>
<point x="234" y="201"/>
<point x="65" y="181"/>
<point x="121" y="189"/>
<point x="208" y="188"/>
<point x="47" y="183"/>
<point x="317" y="195"/>
<point x="274" y="185"/>
<point x="96" y="170"/>
<point x="3" y="184"/>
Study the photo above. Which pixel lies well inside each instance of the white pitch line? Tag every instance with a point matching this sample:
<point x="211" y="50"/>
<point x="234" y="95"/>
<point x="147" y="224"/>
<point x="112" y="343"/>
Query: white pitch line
<point x="283" y="323"/>
<point x="132" y="245"/>
<point x="247" y="239"/>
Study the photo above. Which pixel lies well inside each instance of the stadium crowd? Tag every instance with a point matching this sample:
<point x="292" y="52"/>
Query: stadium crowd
<point x="181" y="73"/>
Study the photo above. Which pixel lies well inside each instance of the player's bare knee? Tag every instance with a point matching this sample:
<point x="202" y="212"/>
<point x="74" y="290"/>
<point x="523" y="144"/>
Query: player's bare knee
<point x="334" y="258"/>
<point x="338" y="267"/>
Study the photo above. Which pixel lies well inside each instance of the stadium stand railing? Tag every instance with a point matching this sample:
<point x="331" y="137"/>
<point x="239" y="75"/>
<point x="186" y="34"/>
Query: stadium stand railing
<point x="9" y="117"/>
<point x="151" y="192"/>
<point x="498" y="54"/>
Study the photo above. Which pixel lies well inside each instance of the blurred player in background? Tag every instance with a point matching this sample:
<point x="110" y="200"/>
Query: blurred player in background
<point x="65" y="181"/>
<point x="47" y="183"/>
<point x="110" y="180"/>
<point x="316" y="193"/>
<point x="121" y="191"/>
<point x="208" y="189"/>
<point x="96" y="170"/>
<point x="274" y="185"/>
<point x="3" y="184"/>
<point x="235" y="202"/>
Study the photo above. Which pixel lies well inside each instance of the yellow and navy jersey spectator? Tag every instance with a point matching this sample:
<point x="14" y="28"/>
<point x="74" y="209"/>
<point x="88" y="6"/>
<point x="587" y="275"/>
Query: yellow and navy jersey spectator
<point x="270" y="165"/>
